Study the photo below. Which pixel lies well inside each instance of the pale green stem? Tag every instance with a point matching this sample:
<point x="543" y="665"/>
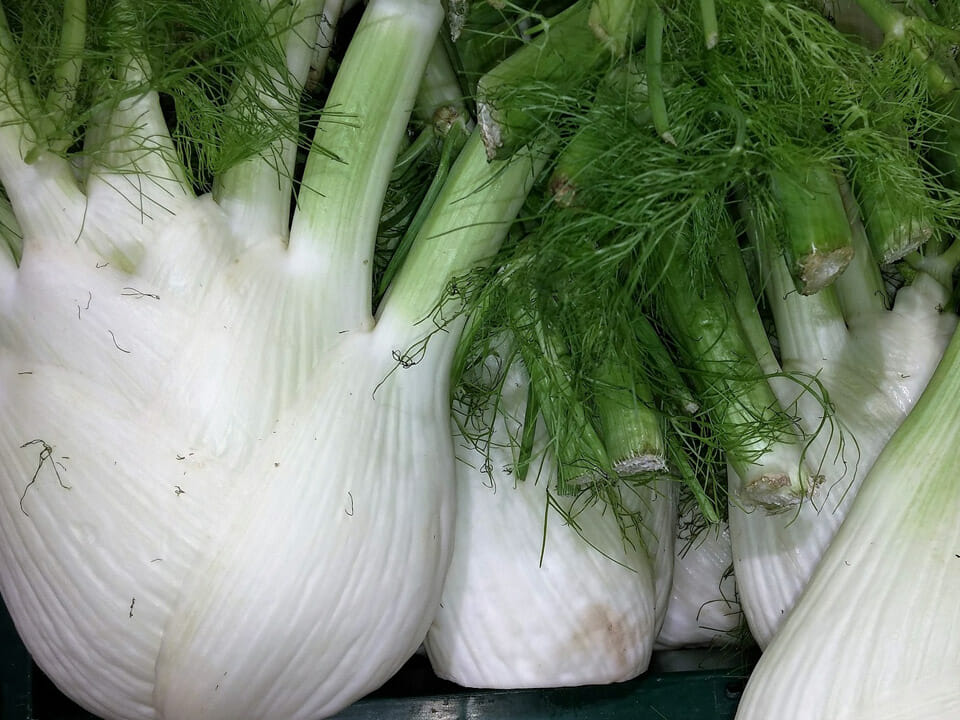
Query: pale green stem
<point x="950" y="258"/>
<point x="674" y="389"/>
<point x="745" y="412"/>
<point x="531" y="416"/>
<point x="630" y="425"/>
<point x="809" y="327"/>
<point x="940" y="267"/>
<point x="745" y="409"/>
<point x="440" y="98"/>
<point x="413" y="151"/>
<point x="733" y="273"/>
<point x="40" y="185"/>
<point x="811" y="330"/>
<point x="711" y="31"/>
<point x="616" y="23"/>
<point x="349" y="167"/>
<point x="138" y="159"/>
<point x="654" y="68"/>
<point x="680" y="462"/>
<point x="567" y="50"/>
<point x="255" y="194"/>
<point x="582" y="456"/>
<point x="817" y="235"/>
<point x="917" y="36"/>
<point x="464" y="231"/>
<point x="131" y="150"/>
<point x="62" y="97"/>
<point x="440" y="105"/>
<point x="332" y="10"/>
<point x="894" y="225"/>
<point x="590" y="146"/>
<point x="860" y="288"/>
<point x="905" y="30"/>
<point x="452" y="145"/>
<point x="584" y="150"/>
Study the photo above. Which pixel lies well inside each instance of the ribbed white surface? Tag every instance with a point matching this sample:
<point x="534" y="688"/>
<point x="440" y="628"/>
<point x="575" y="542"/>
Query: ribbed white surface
<point x="261" y="332"/>
<point x="71" y="307"/>
<point x="91" y="570"/>
<point x="875" y="634"/>
<point x="247" y="523"/>
<point x="352" y="489"/>
<point x="531" y="606"/>
<point x="703" y="608"/>
<point x="328" y="575"/>
<point x="184" y="556"/>
<point x="873" y="379"/>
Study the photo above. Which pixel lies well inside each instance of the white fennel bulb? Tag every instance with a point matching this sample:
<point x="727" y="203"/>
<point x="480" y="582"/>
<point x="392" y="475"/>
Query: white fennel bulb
<point x="226" y="489"/>
<point x="870" y="364"/>
<point x="874" y="636"/>
<point x="703" y="608"/>
<point x="166" y="570"/>
<point x="544" y="590"/>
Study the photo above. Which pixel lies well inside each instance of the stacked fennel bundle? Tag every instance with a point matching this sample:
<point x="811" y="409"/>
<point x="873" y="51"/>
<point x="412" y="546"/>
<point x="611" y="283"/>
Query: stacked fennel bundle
<point x="542" y="333"/>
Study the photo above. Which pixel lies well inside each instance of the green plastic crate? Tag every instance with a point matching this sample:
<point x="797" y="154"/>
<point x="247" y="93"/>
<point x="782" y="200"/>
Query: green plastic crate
<point x="681" y="685"/>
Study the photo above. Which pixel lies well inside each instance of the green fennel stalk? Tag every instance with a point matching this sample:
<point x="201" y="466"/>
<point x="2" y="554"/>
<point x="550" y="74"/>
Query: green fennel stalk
<point x="505" y="120"/>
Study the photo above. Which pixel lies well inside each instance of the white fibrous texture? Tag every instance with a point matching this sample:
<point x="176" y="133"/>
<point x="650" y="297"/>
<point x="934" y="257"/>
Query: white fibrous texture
<point x="875" y="634"/>
<point x="703" y="609"/>
<point x="194" y="519"/>
<point x="543" y="590"/>
<point x="872" y="377"/>
<point x="223" y="496"/>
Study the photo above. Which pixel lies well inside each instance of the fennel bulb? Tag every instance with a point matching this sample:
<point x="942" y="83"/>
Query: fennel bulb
<point x="226" y="488"/>
<point x="872" y="364"/>
<point x="704" y="609"/>
<point x="874" y="634"/>
<point x="163" y="585"/>
<point x="545" y="590"/>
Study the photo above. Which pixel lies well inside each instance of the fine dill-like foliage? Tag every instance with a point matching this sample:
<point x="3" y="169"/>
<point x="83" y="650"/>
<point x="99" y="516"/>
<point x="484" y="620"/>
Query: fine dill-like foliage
<point x="948" y="14"/>
<point x="781" y="89"/>
<point x="487" y="32"/>
<point x="211" y="63"/>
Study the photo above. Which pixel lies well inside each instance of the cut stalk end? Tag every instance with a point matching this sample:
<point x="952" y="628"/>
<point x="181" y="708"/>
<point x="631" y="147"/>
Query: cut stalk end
<point x="643" y="463"/>
<point x="818" y="239"/>
<point x="817" y="270"/>
<point x="566" y="52"/>
<point x="777" y="491"/>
